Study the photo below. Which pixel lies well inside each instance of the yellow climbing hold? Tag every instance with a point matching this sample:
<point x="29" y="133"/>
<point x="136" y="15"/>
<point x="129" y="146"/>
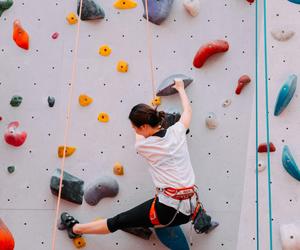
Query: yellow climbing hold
<point x="69" y="151"/>
<point x="103" y="117"/>
<point x="156" y="101"/>
<point x="104" y="50"/>
<point x="118" y="169"/>
<point x="85" y="100"/>
<point x="72" y="18"/>
<point x="125" y="4"/>
<point x="122" y="66"/>
<point x="79" y="242"/>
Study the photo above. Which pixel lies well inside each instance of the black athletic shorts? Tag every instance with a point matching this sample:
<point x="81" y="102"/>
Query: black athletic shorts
<point x="139" y="216"/>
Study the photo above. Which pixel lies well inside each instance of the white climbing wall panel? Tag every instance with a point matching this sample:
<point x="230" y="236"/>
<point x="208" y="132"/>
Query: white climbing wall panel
<point x="218" y="156"/>
<point x="283" y="58"/>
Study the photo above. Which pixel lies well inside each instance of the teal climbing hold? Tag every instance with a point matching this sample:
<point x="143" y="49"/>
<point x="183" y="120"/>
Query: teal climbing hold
<point x="166" y="87"/>
<point x="11" y="169"/>
<point x="286" y="94"/>
<point x="5" y="5"/>
<point x="16" y="101"/>
<point x="90" y="10"/>
<point x="158" y="11"/>
<point x="289" y="163"/>
<point x="294" y="1"/>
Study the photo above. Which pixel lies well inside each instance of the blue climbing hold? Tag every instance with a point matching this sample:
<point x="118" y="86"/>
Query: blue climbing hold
<point x="158" y="11"/>
<point x="294" y="1"/>
<point x="286" y="94"/>
<point x="166" y="87"/>
<point x="172" y="237"/>
<point x="289" y="163"/>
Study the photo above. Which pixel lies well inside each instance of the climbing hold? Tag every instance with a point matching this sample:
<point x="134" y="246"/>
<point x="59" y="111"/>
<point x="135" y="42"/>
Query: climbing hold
<point x="16" y="101"/>
<point x="289" y="163"/>
<point x="290" y="237"/>
<point x="166" y="87"/>
<point x="104" y="186"/>
<point x="142" y="232"/>
<point x="226" y="103"/>
<point x="11" y="169"/>
<point x="72" y="187"/>
<point x="192" y="6"/>
<point x="158" y="11"/>
<point x="68" y="152"/>
<point x="20" y="36"/>
<point x="172" y="237"/>
<point x="5" y="5"/>
<point x="122" y="66"/>
<point x="118" y="169"/>
<point x="6" y="238"/>
<point x="282" y="35"/>
<point x="103" y="117"/>
<point x="156" y="101"/>
<point x="125" y="4"/>
<point x="90" y="10"/>
<point x="72" y="18"/>
<point x="208" y="50"/>
<point x="261" y="166"/>
<point x="242" y="82"/>
<point x="51" y="101"/>
<point x="104" y="50"/>
<point x="211" y="120"/>
<point x="263" y="148"/>
<point x="13" y="136"/>
<point x="285" y="94"/>
<point x="294" y="1"/>
<point x="250" y="1"/>
<point x="55" y="35"/>
<point x="79" y="242"/>
<point x="85" y="100"/>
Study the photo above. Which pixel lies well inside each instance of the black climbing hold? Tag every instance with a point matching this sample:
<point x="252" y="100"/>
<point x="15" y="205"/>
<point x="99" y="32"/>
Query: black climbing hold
<point x="11" y="169"/>
<point x="51" y="101"/>
<point x="90" y="10"/>
<point x="171" y="119"/>
<point x="16" y="101"/>
<point x="5" y="5"/>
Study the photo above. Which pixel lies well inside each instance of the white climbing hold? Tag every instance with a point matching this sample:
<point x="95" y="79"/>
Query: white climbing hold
<point x="211" y="121"/>
<point x="282" y="34"/>
<point x="226" y="103"/>
<point x="290" y="237"/>
<point x="261" y="166"/>
<point x="192" y="7"/>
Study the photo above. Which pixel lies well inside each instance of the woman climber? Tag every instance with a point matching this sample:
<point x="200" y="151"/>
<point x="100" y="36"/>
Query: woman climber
<point x="165" y="148"/>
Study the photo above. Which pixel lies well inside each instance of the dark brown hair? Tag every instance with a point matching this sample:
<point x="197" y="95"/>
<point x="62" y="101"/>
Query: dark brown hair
<point x="142" y="114"/>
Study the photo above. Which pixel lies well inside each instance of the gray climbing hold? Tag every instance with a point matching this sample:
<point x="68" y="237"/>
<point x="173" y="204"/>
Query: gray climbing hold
<point x="211" y="121"/>
<point x="90" y="10"/>
<point x="51" y="101"/>
<point x="72" y="189"/>
<point x="142" y="232"/>
<point x="5" y="5"/>
<point x="11" y="169"/>
<point x="158" y="11"/>
<point x="282" y="34"/>
<point x="105" y="186"/>
<point x="16" y="101"/>
<point x="226" y="103"/>
<point x="166" y="87"/>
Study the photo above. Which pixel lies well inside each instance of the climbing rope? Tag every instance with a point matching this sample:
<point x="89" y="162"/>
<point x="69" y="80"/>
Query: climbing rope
<point x="67" y="126"/>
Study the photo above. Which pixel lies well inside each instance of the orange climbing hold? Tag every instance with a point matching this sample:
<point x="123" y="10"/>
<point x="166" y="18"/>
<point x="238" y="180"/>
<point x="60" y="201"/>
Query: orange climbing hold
<point x="85" y="100"/>
<point x="6" y="238"/>
<point x="263" y="148"/>
<point x="125" y="4"/>
<point x="122" y="66"/>
<point x="20" y="36"/>
<point x="79" y="242"/>
<point x="72" y="18"/>
<point x="118" y="169"/>
<point x="68" y="152"/>
<point x="156" y="101"/>
<point x="103" y="117"/>
<point x="104" y="50"/>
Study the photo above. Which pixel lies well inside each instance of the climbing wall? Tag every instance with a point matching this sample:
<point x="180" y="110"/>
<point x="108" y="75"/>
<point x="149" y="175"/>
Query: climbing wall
<point x="218" y="156"/>
<point x="283" y="58"/>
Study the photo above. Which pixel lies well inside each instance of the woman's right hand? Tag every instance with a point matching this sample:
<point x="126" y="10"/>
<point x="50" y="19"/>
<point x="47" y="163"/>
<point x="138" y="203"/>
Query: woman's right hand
<point x="178" y="84"/>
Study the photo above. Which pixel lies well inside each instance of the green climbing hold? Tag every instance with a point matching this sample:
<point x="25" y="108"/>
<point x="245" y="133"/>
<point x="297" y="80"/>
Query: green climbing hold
<point x="16" y="101"/>
<point x="5" y="5"/>
<point x="11" y="169"/>
<point x="72" y="189"/>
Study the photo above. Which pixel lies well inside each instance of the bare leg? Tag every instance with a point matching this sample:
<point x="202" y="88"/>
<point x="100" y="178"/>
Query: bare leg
<point x="95" y="227"/>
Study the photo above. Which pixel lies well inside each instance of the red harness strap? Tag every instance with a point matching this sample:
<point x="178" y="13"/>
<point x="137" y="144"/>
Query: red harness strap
<point x="153" y="215"/>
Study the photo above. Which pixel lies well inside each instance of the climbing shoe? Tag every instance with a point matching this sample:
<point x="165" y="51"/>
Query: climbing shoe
<point x="67" y="222"/>
<point x="202" y="222"/>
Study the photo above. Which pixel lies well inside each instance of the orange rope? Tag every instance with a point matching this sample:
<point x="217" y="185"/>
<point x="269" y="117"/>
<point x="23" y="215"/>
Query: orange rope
<point x="149" y="43"/>
<point x="67" y="126"/>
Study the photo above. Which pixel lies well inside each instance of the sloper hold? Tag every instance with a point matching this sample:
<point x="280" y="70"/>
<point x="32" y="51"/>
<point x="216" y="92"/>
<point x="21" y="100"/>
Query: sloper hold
<point x="211" y="120"/>
<point x="105" y="186"/>
<point x="5" y="5"/>
<point x="158" y="11"/>
<point x="68" y="152"/>
<point x="294" y="1"/>
<point x="16" y="101"/>
<point x="20" y="36"/>
<point x="125" y="4"/>
<point x="72" y="189"/>
<point x="141" y="232"/>
<point x="192" y="7"/>
<point x="289" y="163"/>
<point x="209" y="49"/>
<point x="282" y="34"/>
<point x="290" y="237"/>
<point x="7" y="241"/>
<point x="285" y="94"/>
<point x="166" y="86"/>
<point x="90" y="10"/>
<point x="243" y="81"/>
<point x="263" y="148"/>
<point x="13" y="136"/>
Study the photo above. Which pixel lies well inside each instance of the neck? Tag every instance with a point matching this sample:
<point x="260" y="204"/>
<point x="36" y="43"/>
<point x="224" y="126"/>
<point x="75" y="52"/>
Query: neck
<point x="152" y="131"/>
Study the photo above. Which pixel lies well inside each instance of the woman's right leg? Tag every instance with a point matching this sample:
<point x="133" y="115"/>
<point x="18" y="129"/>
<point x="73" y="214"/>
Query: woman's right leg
<point x="95" y="227"/>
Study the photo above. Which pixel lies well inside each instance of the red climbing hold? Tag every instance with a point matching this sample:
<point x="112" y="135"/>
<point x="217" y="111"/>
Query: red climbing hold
<point x="13" y="136"/>
<point x="1" y="118"/>
<point x="6" y="239"/>
<point x="55" y="35"/>
<point x="208" y="50"/>
<point x="250" y="1"/>
<point x="263" y="148"/>
<point x="20" y="36"/>
<point x="243" y="81"/>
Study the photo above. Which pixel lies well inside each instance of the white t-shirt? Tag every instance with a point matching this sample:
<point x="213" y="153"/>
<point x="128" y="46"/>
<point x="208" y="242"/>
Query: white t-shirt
<point x="170" y="164"/>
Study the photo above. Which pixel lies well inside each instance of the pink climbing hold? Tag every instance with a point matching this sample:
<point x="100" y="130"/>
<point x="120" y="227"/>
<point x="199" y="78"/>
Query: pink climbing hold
<point x="263" y="148"/>
<point x="243" y="81"/>
<point x="55" y="35"/>
<point x="13" y="136"/>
